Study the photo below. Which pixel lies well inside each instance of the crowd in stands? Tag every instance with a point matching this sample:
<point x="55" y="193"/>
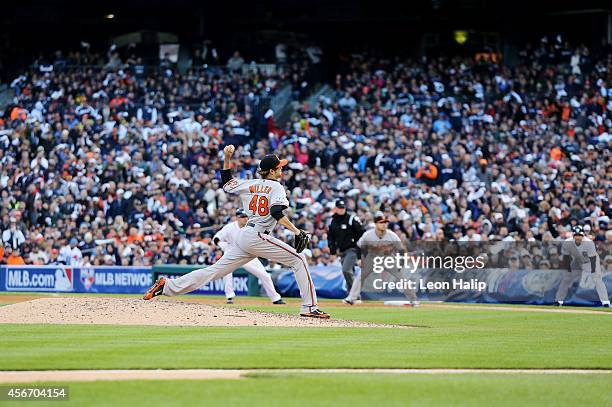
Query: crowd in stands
<point x="451" y="148"/>
<point x="121" y="167"/>
<point x="115" y="163"/>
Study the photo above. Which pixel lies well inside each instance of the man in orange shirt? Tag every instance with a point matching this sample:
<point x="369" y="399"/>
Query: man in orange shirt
<point x="428" y="173"/>
<point x="14" y="258"/>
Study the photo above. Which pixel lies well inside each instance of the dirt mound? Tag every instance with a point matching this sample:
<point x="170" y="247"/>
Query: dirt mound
<point x="131" y="311"/>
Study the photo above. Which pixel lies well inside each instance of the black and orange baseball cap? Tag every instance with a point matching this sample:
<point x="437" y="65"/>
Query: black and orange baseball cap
<point x="271" y="162"/>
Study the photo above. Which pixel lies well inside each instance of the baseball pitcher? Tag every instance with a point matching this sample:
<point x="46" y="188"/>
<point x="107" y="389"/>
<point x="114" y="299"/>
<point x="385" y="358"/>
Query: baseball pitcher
<point x="265" y="201"/>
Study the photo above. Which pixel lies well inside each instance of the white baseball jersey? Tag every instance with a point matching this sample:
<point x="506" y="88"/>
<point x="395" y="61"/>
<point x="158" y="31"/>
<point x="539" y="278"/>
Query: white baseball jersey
<point x="371" y="238"/>
<point x="227" y="235"/>
<point x="70" y="256"/>
<point x="580" y="254"/>
<point x="371" y="243"/>
<point x="258" y="196"/>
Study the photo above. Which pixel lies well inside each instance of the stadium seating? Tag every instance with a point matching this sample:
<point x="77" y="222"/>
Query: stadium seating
<point x="119" y="165"/>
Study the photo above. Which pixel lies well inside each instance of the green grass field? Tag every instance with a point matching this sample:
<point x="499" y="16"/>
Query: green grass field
<point x="348" y="390"/>
<point x="462" y="337"/>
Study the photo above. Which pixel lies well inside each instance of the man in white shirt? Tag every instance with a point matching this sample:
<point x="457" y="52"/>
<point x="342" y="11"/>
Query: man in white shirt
<point x="184" y="248"/>
<point x="225" y="238"/>
<point x="38" y="256"/>
<point x="347" y="102"/>
<point x="471" y="236"/>
<point x="39" y="163"/>
<point x="13" y="236"/>
<point x="71" y="254"/>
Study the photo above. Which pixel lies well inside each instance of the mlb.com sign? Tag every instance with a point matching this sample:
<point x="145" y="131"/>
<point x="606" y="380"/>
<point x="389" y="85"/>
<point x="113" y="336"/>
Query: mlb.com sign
<point x="102" y="279"/>
<point x="39" y="279"/>
<point x="119" y="280"/>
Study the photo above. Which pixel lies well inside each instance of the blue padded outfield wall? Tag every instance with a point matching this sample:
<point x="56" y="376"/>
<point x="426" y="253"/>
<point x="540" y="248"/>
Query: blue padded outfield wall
<point x="503" y="286"/>
<point x="107" y="280"/>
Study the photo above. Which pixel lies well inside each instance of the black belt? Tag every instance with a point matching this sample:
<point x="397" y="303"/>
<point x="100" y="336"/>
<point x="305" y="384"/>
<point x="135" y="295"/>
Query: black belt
<point x="254" y="226"/>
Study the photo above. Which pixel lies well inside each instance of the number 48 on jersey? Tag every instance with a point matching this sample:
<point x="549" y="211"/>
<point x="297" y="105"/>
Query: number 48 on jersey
<point x="259" y="205"/>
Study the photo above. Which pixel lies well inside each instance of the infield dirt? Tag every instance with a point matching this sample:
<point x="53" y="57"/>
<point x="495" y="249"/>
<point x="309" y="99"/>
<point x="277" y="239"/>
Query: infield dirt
<point x="132" y="311"/>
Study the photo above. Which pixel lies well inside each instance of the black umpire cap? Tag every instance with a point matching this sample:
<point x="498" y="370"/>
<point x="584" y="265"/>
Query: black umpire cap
<point x="340" y="203"/>
<point x="271" y="162"/>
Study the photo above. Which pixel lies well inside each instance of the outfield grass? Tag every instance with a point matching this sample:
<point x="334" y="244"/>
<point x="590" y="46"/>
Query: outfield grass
<point x="351" y="390"/>
<point x="462" y="337"/>
<point x="443" y="338"/>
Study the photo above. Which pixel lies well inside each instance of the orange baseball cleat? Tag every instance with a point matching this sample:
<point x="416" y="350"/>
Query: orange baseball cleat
<point x="316" y="313"/>
<point x="156" y="289"/>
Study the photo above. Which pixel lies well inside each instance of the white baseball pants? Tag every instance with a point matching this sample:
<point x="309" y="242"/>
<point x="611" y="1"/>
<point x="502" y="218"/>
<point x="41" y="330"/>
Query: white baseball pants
<point x="249" y="245"/>
<point x="355" y="289"/>
<point x="570" y="278"/>
<point x="258" y="270"/>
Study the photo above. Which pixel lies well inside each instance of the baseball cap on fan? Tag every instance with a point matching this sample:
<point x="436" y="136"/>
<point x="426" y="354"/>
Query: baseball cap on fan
<point x="241" y="213"/>
<point x="271" y="162"/>
<point x="380" y="217"/>
<point x="578" y="231"/>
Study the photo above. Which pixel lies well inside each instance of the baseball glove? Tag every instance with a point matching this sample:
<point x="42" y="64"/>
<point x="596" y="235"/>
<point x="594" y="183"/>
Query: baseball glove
<point x="301" y="241"/>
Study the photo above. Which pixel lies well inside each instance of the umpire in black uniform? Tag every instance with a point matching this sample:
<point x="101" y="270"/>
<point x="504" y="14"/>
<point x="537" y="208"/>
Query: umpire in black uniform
<point x="344" y="232"/>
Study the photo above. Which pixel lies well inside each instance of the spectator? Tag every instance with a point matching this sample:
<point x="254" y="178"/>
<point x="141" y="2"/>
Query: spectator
<point x="38" y="256"/>
<point x="236" y="62"/>
<point x="71" y="255"/>
<point x="54" y="259"/>
<point x="13" y="236"/>
<point x="428" y="172"/>
<point x="14" y="257"/>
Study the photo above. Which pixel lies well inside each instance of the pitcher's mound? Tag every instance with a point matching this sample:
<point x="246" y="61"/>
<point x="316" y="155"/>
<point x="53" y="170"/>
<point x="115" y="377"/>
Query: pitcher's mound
<point x="131" y="311"/>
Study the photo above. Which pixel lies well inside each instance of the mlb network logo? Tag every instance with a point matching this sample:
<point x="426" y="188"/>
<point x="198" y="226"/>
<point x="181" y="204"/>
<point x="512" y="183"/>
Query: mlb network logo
<point x="87" y="277"/>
